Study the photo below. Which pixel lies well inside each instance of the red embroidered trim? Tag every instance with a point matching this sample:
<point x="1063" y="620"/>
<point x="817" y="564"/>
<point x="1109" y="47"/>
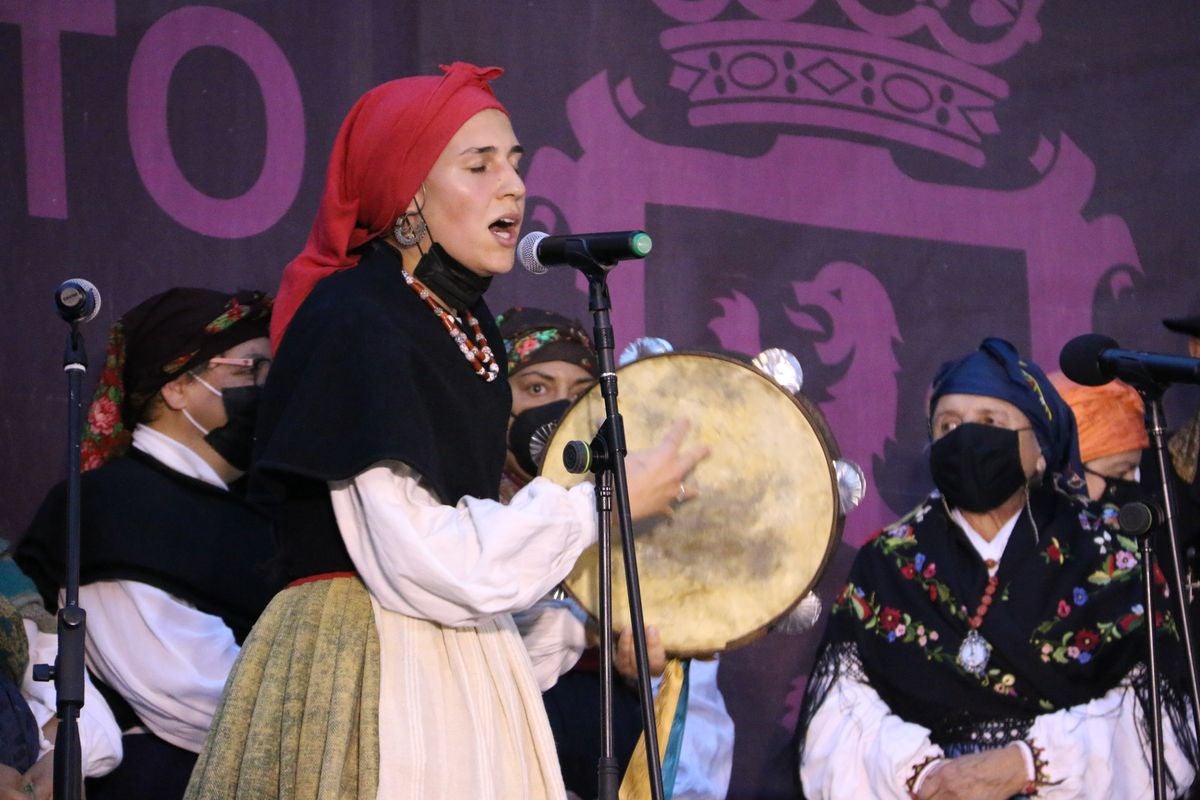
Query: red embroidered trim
<point x="919" y="769"/>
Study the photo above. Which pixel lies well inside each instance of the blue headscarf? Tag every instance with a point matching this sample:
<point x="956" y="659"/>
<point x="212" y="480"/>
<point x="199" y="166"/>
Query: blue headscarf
<point x="996" y="369"/>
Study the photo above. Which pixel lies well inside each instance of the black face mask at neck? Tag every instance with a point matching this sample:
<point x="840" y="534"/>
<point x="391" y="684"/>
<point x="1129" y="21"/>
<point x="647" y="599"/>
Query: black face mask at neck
<point x="977" y="467"/>
<point x="456" y="285"/>
<point x="234" y="441"/>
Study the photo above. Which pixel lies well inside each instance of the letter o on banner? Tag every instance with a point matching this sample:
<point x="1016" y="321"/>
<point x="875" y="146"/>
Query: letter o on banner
<point x="163" y="46"/>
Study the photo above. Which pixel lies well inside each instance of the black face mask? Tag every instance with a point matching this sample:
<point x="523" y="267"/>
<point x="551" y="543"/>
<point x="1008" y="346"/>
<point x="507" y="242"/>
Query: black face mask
<point x="977" y="467"/>
<point x="1119" y="491"/>
<point x="530" y="432"/>
<point x="456" y="285"/>
<point x="234" y="441"/>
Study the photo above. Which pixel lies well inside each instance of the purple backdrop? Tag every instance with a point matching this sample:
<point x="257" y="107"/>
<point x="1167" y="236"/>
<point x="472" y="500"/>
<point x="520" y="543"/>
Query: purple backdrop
<point x="872" y="184"/>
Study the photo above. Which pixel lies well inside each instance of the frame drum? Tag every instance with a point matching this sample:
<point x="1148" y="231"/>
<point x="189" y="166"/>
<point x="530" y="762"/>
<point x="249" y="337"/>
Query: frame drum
<point x="726" y="564"/>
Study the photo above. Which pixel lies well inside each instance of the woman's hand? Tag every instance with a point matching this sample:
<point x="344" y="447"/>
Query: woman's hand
<point x="997" y="774"/>
<point x="41" y="777"/>
<point x="12" y="784"/>
<point x="625" y="661"/>
<point x="657" y="476"/>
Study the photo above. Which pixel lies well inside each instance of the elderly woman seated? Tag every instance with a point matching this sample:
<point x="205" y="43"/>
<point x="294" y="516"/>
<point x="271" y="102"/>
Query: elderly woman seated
<point x="991" y="643"/>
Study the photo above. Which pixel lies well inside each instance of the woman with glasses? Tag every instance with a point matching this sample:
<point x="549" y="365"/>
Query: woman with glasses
<point x="173" y="562"/>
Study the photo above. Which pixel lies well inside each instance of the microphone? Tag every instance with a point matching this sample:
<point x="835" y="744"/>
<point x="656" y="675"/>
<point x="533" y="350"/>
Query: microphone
<point x="1138" y="517"/>
<point x="78" y="300"/>
<point x="1094" y="359"/>
<point x="537" y="251"/>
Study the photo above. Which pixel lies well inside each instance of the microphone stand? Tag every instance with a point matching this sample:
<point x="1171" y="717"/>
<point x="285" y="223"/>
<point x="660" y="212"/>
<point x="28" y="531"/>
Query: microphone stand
<point x="1142" y="526"/>
<point x="605" y="458"/>
<point x="67" y="671"/>
<point x="1152" y="392"/>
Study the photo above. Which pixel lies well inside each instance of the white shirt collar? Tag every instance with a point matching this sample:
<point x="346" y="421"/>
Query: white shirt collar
<point x="987" y="550"/>
<point x="175" y="455"/>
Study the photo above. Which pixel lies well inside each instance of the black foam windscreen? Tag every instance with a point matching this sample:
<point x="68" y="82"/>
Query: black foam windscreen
<point x="1080" y="359"/>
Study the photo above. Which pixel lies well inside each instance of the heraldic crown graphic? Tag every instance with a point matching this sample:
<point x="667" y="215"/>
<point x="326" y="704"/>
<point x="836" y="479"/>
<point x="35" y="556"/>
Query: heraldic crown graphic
<point x="916" y="76"/>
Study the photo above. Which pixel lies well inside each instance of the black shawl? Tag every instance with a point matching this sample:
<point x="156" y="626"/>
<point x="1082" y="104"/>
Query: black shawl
<point x="1067" y="624"/>
<point x="365" y="373"/>
<point x="142" y="521"/>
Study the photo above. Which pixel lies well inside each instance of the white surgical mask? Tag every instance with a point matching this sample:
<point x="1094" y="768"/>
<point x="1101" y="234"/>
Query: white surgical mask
<point x="203" y="430"/>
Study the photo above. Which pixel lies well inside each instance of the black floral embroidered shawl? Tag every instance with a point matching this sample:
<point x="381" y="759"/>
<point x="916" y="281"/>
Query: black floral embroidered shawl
<point x="1067" y="625"/>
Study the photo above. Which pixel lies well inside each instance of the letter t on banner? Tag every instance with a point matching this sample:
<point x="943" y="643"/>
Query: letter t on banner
<point x="41" y="23"/>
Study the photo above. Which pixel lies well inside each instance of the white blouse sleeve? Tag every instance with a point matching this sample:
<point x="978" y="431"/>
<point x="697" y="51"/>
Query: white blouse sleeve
<point x="555" y="637"/>
<point x="856" y="747"/>
<point x="168" y="660"/>
<point x="458" y="565"/>
<point x="99" y="736"/>
<point x="1098" y="749"/>
<point x="706" y="754"/>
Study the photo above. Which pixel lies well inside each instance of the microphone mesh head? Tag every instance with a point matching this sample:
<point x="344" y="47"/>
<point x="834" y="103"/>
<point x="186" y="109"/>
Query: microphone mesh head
<point x="527" y="252"/>
<point x="1135" y="518"/>
<point x="95" y="293"/>
<point x="81" y="294"/>
<point x="1080" y="359"/>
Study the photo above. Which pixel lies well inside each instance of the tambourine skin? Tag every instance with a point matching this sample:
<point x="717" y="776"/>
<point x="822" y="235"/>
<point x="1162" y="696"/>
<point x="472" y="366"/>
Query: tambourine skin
<point x="726" y="564"/>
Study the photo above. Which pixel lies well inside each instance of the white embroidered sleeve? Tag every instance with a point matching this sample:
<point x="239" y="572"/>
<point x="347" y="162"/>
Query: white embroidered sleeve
<point x="456" y="565"/>
<point x="856" y="747"/>
<point x="1097" y="750"/>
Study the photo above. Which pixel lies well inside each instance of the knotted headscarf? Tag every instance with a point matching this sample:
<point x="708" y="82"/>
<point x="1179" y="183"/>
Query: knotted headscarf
<point x="386" y="146"/>
<point x="1111" y="418"/>
<point x="534" y="336"/>
<point x="153" y="344"/>
<point x="996" y="369"/>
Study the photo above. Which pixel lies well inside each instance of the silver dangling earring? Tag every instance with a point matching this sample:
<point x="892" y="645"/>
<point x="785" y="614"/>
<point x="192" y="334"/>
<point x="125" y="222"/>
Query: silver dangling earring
<point x="407" y="232"/>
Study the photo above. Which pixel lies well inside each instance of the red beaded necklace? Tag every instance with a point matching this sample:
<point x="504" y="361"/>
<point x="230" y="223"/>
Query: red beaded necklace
<point x="478" y="353"/>
<point x="975" y="651"/>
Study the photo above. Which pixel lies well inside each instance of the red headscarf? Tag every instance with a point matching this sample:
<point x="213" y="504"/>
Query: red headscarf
<point x="386" y="146"/>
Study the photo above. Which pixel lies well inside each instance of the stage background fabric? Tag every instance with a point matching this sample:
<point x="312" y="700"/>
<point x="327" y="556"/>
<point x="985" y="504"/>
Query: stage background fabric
<point x="874" y="185"/>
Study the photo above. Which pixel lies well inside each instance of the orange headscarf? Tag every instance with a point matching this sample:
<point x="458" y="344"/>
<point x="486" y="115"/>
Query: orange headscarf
<point x="1111" y="418"/>
<point x="386" y="146"/>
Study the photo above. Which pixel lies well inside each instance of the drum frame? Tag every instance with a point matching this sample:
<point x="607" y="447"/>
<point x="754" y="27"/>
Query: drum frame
<point x="816" y="425"/>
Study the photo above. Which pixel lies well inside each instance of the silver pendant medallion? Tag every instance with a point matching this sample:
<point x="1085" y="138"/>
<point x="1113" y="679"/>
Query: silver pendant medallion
<point x="974" y="652"/>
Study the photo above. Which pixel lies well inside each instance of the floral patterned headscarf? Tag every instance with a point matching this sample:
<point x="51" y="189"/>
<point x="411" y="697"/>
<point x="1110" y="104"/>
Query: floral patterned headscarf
<point x="534" y="336"/>
<point x="152" y="345"/>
